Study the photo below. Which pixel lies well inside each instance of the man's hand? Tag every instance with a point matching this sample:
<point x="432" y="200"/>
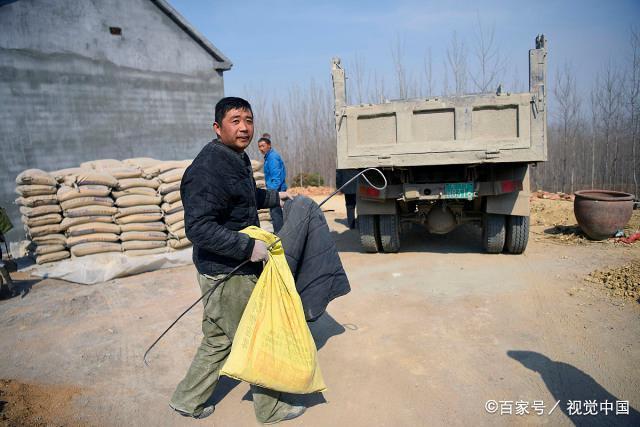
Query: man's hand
<point x="260" y="251"/>
<point x="284" y="196"/>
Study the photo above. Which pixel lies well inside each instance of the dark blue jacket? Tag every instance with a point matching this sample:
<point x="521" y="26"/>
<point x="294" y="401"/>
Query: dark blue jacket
<point x="312" y="256"/>
<point x="275" y="172"/>
<point x="220" y="198"/>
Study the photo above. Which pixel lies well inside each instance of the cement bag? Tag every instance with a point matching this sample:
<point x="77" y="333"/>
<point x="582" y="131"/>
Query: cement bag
<point x="66" y="192"/>
<point x="172" y="197"/>
<point x="137" y="200"/>
<point x="143" y="191"/>
<point x="171" y="176"/>
<point x="35" y="190"/>
<point x="178" y="244"/>
<point x="168" y="188"/>
<point x="70" y="222"/>
<point x="170" y="208"/>
<point x="91" y="177"/>
<point x="48" y="249"/>
<point x="50" y="239"/>
<point x="35" y="201"/>
<point x="86" y="201"/>
<point x="54" y="256"/>
<point x="256" y="165"/>
<point x="40" y="210"/>
<point x="273" y="346"/>
<point x="133" y="210"/>
<point x="44" y="230"/>
<point x="38" y="221"/>
<point x="95" y="248"/>
<point x="143" y="226"/>
<point x="102" y="164"/>
<point x="35" y="176"/>
<point x="93" y="227"/>
<point x="163" y="167"/>
<point x="144" y="252"/>
<point x="143" y="244"/>
<point x="123" y="172"/>
<point x="143" y="235"/>
<point x="179" y="234"/>
<point x="141" y="162"/>
<point x="123" y="184"/>
<point x="175" y="226"/>
<point x="173" y="218"/>
<point x="145" y="217"/>
<point x="62" y="174"/>
<point x="88" y="238"/>
<point x="90" y="211"/>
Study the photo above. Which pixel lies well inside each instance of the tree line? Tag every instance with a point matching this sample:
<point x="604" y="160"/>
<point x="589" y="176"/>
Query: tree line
<point x="593" y="136"/>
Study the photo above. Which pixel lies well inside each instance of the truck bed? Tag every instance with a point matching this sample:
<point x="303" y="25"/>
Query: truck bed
<point x="467" y="129"/>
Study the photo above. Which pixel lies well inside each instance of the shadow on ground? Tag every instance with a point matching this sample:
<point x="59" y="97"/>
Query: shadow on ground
<point x="466" y="238"/>
<point x="568" y="383"/>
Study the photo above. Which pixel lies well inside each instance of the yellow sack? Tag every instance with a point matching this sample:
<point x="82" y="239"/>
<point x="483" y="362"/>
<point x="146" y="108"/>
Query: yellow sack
<point x="273" y="346"/>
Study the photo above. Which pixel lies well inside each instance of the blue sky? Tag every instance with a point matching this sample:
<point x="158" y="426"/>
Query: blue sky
<point x="276" y="44"/>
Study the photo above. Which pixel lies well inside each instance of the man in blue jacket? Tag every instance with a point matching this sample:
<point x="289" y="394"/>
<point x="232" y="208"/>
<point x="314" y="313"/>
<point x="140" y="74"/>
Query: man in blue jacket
<point x="275" y="175"/>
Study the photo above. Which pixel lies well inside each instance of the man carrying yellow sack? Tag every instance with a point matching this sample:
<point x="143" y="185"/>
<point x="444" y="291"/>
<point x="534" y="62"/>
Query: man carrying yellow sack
<point x="220" y="199"/>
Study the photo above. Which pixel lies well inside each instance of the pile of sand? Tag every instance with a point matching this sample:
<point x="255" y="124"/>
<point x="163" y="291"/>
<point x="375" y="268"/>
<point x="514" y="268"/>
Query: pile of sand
<point x="623" y="281"/>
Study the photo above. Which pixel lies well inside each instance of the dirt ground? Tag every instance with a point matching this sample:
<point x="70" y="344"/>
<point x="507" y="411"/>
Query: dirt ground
<point x="427" y="336"/>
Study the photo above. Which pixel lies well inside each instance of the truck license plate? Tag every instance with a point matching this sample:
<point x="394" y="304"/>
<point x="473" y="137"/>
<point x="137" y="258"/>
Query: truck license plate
<point x="459" y="190"/>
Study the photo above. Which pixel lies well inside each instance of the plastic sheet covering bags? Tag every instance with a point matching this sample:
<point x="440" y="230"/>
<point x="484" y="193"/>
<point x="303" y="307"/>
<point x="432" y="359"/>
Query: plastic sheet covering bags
<point x="273" y="346"/>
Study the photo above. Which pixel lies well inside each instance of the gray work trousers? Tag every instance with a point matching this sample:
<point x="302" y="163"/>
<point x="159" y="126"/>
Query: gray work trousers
<point x="222" y="312"/>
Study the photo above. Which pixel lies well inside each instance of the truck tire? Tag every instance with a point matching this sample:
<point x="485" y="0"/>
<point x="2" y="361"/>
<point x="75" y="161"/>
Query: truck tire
<point x="517" y="234"/>
<point x="369" y="233"/>
<point x="390" y="233"/>
<point x="493" y="233"/>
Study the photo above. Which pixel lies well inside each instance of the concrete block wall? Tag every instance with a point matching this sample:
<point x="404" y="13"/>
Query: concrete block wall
<point x="72" y="92"/>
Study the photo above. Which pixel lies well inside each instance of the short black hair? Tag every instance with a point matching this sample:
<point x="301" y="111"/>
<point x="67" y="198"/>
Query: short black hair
<point x="265" y="139"/>
<point x="230" y="103"/>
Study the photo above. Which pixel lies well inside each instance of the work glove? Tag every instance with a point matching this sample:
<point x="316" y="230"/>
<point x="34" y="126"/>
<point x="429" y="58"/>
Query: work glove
<point x="284" y="196"/>
<point x="260" y="251"/>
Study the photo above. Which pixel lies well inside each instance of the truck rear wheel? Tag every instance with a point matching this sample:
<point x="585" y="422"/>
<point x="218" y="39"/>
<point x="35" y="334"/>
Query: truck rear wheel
<point x="517" y="234"/>
<point x="390" y="233"/>
<point x="493" y="233"/>
<point x="369" y="233"/>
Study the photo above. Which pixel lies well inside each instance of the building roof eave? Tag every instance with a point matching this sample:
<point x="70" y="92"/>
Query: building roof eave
<point x="224" y="63"/>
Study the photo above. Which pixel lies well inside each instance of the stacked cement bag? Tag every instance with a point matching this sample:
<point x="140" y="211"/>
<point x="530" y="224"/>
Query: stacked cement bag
<point x="88" y="209"/>
<point x="170" y="175"/>
<point x="139" y="215"/>
<point x="258" y="175"/>
<point x="41" y="214"/>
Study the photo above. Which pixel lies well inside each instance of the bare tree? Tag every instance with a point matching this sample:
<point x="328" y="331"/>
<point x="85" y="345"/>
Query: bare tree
<point x="490" y="65"/>
<point x="633" y="92"/>
<point x="358" y="79"/>
<point x="568" y="113"/>
<point x="457" y="63"/>
<point x="397" y="54"/>
<point x="609" y="105"/>
<point x="428" y="72"/>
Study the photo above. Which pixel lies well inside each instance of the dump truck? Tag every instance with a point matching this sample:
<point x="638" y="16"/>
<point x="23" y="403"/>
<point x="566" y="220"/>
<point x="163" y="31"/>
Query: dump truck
<point x="447" y="160"/>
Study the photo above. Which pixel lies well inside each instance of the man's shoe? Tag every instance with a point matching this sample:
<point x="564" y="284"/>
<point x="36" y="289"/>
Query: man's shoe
<point x="295" y="412"/>
<point x="204" y="414"/>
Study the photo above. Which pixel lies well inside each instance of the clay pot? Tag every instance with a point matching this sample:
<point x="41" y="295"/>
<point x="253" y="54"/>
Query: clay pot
<point x="600" y="213"/>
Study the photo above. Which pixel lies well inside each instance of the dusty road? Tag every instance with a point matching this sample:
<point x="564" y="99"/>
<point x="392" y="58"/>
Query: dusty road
<point x="426" y="337"/>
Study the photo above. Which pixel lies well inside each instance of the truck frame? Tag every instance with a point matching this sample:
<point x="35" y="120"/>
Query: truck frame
<point x="448" y="160"/>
